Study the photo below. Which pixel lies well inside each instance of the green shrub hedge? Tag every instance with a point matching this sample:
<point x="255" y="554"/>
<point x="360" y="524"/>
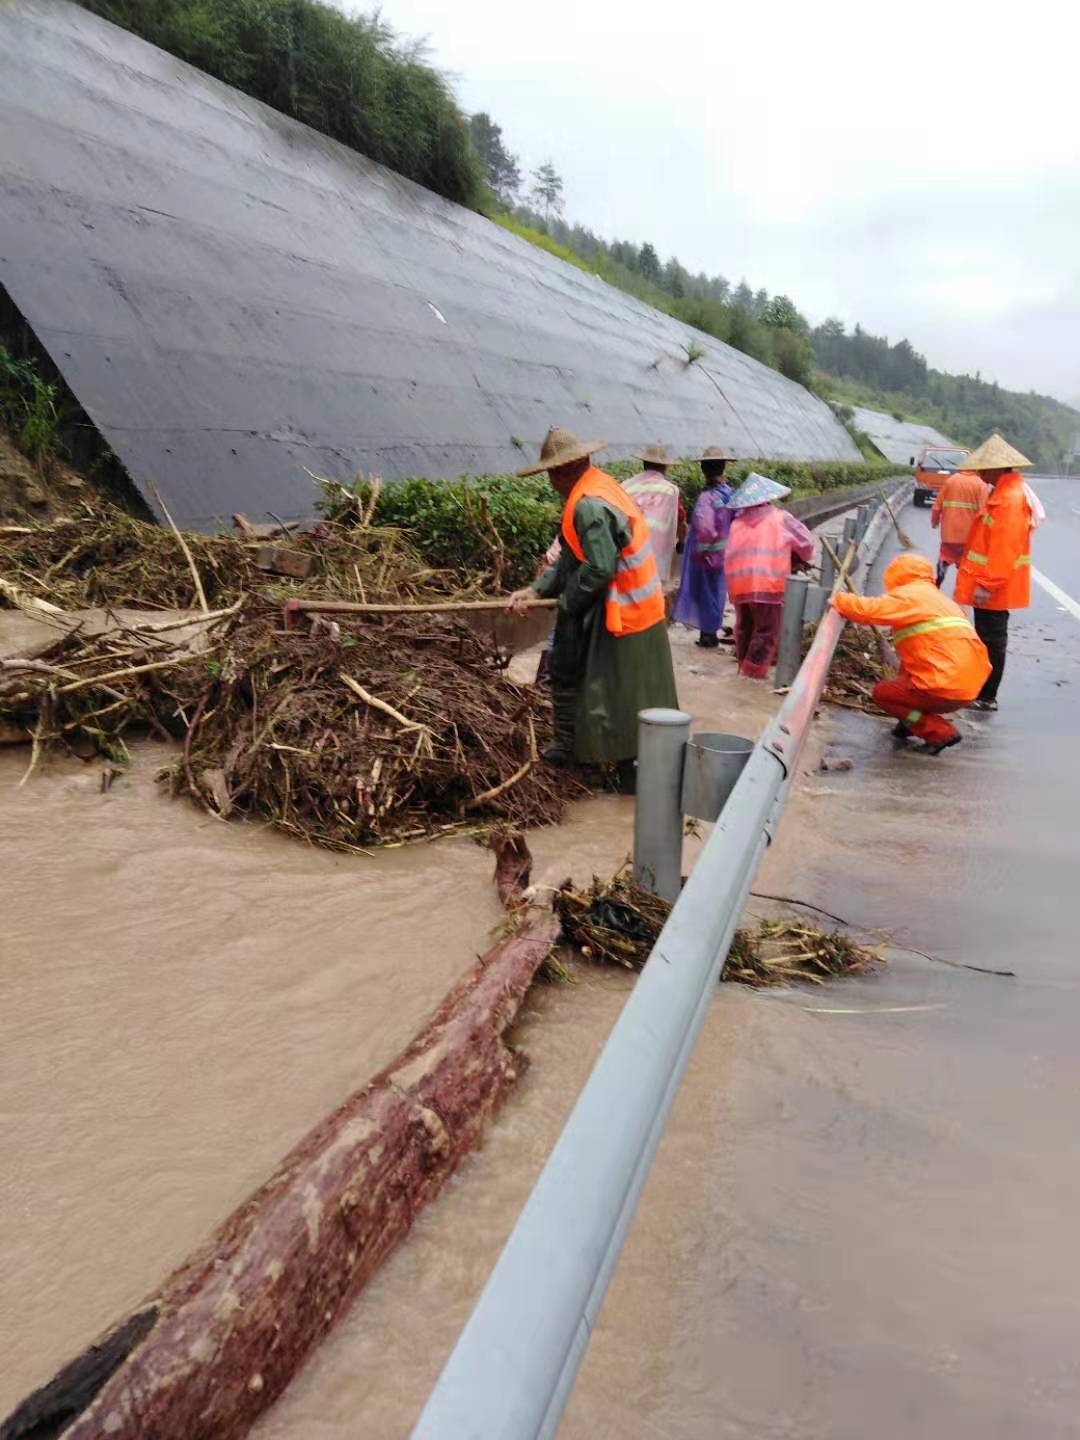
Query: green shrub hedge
<point x="495" y="528"/>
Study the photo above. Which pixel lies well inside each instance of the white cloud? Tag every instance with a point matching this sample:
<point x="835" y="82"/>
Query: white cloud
<point x="916" y="169"/>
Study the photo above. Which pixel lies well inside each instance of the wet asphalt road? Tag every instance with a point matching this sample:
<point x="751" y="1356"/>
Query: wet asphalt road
<point x="1000" y="862"/>
<point x="870" y="1192"/>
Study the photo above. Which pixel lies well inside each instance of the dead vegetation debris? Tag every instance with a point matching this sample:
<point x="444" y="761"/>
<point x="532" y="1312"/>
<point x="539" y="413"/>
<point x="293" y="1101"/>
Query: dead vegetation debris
<point x="98" y="554"/>
<point x="398" y="728"/>
<point x="617" y="923"/>
<point x="371" y="729"/>
<point x="857" y="666"/>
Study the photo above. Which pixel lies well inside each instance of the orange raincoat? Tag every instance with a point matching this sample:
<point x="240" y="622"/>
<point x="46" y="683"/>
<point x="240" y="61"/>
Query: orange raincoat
<point x="998" y="556"/>
<point x="939" y="650"/>
<point x="957" y="503"/>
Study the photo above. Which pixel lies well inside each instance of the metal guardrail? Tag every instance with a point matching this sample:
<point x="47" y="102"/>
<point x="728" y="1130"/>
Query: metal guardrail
<point x="510" y="1374"/>
<point x="814" y="510"/>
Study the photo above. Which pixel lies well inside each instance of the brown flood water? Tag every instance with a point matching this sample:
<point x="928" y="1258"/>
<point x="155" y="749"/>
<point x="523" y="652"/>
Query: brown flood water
<point x="182" y="999"/>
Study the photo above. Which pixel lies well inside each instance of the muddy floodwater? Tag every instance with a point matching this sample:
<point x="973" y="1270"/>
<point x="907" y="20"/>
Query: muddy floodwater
<point x="860" y="1220"/>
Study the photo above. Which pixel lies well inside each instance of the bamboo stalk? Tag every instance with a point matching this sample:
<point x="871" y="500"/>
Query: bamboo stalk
<point x="353" y="607"/>
<point x="497" y="790"/>
<point x="156" y="628"/>
<point x="841" y="566"/>
<point x="122" y="674"/>
<point x="377" y="704"/>
<point x="199" y="591"/>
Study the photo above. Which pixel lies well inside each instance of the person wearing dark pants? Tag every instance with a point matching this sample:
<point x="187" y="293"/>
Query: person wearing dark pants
<point x="992" y="628"/>
<point x="994" y="575"/>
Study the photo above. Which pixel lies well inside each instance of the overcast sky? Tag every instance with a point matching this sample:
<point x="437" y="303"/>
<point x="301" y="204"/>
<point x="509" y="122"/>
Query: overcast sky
<point x="915" y="169"/>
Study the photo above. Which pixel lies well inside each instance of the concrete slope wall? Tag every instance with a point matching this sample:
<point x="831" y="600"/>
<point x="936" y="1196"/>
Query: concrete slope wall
<point x="235" y="299"/>
<point x="897" y="440"/>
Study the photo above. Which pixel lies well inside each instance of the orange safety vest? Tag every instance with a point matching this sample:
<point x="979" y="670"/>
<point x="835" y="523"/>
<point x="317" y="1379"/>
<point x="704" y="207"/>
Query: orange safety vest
<point x="958" y="501"/>
<point x="757" y="560"/>
<point x="635" y="597"/>
<point x="998" y="554"/>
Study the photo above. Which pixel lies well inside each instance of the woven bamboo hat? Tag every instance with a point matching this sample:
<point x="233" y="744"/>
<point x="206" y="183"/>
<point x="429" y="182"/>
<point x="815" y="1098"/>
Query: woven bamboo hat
<point x="757" y="490"/>
<point x="996" y="454"/>
<point x="561" y="447"/>
<point x="716" y="452"/>
<point x="657" y="455"/>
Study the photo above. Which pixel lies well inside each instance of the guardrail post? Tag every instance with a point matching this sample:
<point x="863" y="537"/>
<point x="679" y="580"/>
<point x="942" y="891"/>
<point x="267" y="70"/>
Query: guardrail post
<point x="850" y="534"/>
<point x="789" y="651"/>
<point x="816" y="599"/>
<point x="658" y="814"/>
<point x="862" y="520"/>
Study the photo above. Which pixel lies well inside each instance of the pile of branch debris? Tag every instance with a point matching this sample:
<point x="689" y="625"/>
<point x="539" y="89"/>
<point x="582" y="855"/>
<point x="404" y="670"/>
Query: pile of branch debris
<point x="857" y="666"/>
<point x="617" y="923"/>
<point x="366" y="729"/>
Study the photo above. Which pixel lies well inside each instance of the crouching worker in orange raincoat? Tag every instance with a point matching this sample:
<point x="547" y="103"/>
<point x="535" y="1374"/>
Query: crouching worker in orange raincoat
<point x="943" y="663"/>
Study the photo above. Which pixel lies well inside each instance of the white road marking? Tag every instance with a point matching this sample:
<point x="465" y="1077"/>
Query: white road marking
<point x="1056" y="593"/>
<point x="875" y="1010"/>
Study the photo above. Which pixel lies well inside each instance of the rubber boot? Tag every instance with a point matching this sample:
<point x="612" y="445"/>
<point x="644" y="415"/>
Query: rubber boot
<point x="942" y="745"/>
<point x="561" y="750"/>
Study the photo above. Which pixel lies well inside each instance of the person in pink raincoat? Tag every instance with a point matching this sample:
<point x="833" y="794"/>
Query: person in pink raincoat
<point x="764" y="545"/>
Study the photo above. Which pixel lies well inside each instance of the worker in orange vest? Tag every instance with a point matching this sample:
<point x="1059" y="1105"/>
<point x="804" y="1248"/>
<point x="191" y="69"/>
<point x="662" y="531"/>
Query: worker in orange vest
<point x="994" y="574"/>
<point x="943" y="663"/>
<point x="610" y="656"/>
<point x="957" y="503"/>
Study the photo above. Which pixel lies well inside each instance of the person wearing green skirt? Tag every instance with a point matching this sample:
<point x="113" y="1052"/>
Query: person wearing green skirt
<point x="610" y="656"/>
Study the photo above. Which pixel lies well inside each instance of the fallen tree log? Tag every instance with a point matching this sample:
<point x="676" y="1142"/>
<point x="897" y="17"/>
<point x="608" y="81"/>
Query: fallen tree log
<point x="202" y="1357"/>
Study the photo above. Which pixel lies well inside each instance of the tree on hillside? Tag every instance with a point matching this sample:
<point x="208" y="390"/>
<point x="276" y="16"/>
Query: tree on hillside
<point x="500" y="166"/>
<point x="792" y="354"/>
<point x="547" y="189"/>
<point x="649" y="262"/>
<point x="347" y="76"/>
<point x="743" y="297"/>
<point x="675" y="279"/>
<point x="781" y="313"/>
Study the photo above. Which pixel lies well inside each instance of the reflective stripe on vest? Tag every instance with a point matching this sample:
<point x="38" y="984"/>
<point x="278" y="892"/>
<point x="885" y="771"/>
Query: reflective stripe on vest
<point x="913" y="717"/>
<point x="977" y="559"/>
<point x="635" y="596"/>
<point x="944" y="622"/>
<point x="712" y="548"/>
<point x="651" y="487"/>
<point x="959" y="505"/>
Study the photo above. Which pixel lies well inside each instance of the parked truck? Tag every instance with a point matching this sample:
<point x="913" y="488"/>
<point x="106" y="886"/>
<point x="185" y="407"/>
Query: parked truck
<point x="935" y="463"/>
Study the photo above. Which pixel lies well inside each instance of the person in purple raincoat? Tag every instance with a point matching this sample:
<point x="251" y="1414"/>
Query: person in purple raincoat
<point x="702" y="591"/>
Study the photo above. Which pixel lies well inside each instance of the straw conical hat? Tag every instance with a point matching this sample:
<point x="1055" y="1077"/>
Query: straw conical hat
<point x="657" y="455"/>
<point x="561" y="447"/>
<point x="996" y="454"/>
<point x="716" y="452"/>
<point x="757" y="490"/>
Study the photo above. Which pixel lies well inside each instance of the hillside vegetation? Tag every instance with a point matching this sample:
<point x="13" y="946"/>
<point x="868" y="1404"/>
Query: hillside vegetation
<point x="352" y="79"/>
<point x="347" y="76"/>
